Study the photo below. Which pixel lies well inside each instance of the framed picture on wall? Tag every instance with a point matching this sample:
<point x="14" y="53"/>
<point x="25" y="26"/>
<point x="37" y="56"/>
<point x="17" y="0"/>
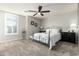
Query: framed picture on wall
<point x="36" y="24"/>
<point x="32" y="22"/>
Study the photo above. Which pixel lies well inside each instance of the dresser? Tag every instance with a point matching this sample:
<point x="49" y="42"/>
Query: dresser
<point x="42" y="31"/>
<point x="69" y="37"/>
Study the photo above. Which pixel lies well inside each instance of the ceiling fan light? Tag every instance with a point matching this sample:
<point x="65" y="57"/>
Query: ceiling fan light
<point x="38" y="13"/>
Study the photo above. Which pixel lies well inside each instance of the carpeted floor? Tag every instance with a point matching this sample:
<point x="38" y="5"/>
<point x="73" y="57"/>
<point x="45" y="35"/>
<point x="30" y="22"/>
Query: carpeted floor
<point x="32" y="48"/>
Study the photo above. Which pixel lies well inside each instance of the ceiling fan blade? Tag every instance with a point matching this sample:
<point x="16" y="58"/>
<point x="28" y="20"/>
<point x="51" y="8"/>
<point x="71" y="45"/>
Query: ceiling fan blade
<point x="45" y="11"/>
<point x="30" y="11"/>
<point x="42" y="14"/>
<point x="39" y="8"/>
<point x="35" y="14"/>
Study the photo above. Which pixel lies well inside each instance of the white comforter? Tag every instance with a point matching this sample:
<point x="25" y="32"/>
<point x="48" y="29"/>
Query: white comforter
<point x="53" y="39"/>
<point x="44" y="37"/>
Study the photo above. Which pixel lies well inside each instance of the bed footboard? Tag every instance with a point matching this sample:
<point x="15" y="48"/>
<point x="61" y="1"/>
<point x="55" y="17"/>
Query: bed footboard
<point x="53" y="39"/>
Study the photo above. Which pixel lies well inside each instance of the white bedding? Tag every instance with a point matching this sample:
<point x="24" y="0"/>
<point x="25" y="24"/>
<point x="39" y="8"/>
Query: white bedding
<point x="53" y="39"/>
<point x="45" y="38"/>
<point x="42" y="37"/>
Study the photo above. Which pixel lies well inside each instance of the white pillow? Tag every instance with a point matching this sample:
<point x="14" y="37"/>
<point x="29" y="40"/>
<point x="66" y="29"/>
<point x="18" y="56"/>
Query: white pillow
<point x="52" y="31"/>
<point x="47" y="31"/>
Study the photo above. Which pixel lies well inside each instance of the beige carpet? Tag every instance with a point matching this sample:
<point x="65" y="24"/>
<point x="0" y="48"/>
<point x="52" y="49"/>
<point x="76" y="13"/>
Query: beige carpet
<point x="32" y="48"/>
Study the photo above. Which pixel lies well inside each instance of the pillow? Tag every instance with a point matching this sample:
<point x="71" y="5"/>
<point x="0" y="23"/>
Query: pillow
<point x="47" y="31"/>
<point x="52" y="31"/>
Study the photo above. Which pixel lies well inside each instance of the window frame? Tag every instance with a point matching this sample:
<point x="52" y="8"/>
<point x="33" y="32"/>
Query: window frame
<point x="6" y="14"/>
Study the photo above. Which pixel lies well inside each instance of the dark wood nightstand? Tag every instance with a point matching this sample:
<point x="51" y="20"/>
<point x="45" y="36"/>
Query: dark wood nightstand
<point x="68" y="36"/>
<point x="42" y="31"/>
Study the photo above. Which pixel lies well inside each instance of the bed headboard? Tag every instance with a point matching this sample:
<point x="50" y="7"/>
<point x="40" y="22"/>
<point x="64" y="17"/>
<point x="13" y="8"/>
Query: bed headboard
<point x="52" y="31"/>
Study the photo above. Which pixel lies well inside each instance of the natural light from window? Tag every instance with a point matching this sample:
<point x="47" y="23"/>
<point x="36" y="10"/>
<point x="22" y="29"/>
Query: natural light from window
<point x="11" y="24"/>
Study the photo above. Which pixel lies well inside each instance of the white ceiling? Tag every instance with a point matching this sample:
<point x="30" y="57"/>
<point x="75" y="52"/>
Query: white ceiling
<point x="19" y="8"/>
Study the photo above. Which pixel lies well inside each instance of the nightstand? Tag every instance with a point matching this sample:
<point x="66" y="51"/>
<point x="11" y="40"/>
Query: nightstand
<point x="42" y="31"/>
<point x="68" y="36"/>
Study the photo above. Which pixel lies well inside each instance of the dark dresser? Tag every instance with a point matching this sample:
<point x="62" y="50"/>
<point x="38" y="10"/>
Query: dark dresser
<point x="42" y="31"/>
<point x="69" y="37"/>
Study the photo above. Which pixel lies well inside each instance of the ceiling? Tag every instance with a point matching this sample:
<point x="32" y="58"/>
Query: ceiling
<point x="19" y="8"/>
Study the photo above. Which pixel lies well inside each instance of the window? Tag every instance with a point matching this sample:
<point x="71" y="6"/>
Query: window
<point x="11" y="24"/>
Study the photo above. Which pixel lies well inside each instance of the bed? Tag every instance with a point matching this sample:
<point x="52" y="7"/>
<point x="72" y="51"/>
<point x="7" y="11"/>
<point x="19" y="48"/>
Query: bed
<point x="50" y="37"/>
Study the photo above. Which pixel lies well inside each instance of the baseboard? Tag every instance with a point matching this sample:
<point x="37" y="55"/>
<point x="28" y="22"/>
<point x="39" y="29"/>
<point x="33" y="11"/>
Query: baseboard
<point x="8" y="40"/>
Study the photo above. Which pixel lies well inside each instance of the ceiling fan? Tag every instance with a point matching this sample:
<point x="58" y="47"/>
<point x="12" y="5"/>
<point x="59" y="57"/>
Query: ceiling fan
<point x="39" y="11"/>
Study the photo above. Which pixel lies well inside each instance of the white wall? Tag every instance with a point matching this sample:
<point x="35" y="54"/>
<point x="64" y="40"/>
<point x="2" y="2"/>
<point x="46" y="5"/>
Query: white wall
<point x="63" y="16"/>
<point x="31" y="29"/>
<point x="4" y="37"/>
<point x="78" y="22"/>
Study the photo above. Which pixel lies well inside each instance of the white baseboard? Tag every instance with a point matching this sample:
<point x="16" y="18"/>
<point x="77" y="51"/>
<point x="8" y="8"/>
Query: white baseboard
<point x="7" y="40"/>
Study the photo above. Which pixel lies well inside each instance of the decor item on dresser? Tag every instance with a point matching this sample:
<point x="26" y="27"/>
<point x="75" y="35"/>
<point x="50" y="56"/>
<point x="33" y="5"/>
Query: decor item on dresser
<point x="50" y="37"/>
<point x="42" y="29"/>
<point x="69" y="37"/>
<point x="32" y="22"/>
<point x="36" y="24"/>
